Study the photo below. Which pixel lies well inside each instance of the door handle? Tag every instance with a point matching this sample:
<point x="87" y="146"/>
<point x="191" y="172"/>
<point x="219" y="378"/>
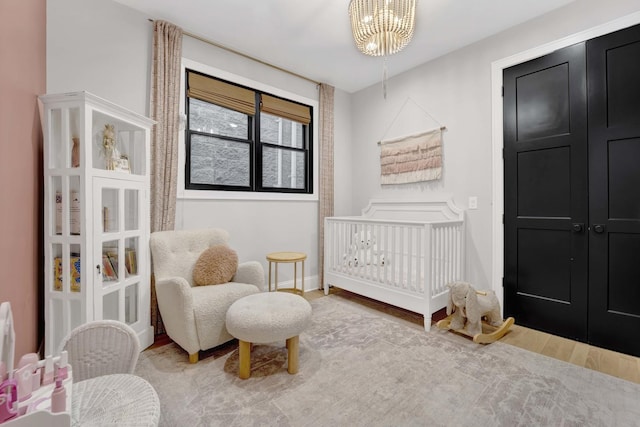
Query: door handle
<point x="598" y="228"/>
<point x="577" y="227"/>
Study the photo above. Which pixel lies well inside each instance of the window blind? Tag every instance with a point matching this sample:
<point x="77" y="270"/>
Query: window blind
<point x="287" y="109"/>
<point x="221" y="93"/>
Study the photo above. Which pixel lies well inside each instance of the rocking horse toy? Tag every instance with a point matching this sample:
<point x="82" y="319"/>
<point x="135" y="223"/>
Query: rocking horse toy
<point x="468" y="310"/>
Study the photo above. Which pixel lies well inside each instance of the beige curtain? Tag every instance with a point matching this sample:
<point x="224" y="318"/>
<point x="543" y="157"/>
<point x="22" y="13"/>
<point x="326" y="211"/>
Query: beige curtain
<point x="325" y="203"/>
<point x="165" y="93"/>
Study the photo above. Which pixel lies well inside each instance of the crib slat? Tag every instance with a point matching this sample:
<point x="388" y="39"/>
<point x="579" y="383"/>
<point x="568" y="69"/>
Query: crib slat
<point x="394" y="266"/>
<point x="449" y="253"/>
<point x="419" y="265"/>
<point x="376" y="260"/>
<point x="427" y="281"/>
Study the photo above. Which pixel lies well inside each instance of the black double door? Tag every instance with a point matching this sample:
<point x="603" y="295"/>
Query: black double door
<point x="572" y="192"/>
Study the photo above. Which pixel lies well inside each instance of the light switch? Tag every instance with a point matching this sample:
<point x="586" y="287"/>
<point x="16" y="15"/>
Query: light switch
<point x="473" y="202"/>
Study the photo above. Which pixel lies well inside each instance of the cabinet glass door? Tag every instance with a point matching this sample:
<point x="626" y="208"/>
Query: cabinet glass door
<point x="118" y="246"/>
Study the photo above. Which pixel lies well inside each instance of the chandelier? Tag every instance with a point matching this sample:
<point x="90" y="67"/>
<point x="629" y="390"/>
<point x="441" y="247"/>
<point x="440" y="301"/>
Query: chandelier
<point x="382" y="27"/>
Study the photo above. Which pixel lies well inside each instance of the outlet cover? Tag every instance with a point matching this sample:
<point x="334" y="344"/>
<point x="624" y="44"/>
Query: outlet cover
<point x="473" y="202"/>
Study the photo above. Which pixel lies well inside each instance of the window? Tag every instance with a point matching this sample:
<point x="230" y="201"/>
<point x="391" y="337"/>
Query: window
<point x="242" y="139"/>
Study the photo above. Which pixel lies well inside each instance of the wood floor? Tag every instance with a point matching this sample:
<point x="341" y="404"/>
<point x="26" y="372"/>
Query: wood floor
<point x="599" y="359"/>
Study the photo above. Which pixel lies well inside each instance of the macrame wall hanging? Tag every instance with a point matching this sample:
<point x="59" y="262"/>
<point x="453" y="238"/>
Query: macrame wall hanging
<point x="413" y="158"/>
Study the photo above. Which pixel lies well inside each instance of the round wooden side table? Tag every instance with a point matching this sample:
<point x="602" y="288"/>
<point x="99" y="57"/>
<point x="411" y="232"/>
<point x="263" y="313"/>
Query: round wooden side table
<point x="287" y="257"/>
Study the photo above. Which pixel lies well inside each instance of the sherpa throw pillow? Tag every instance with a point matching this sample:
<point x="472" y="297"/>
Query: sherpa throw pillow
<point x="216" y="265"/>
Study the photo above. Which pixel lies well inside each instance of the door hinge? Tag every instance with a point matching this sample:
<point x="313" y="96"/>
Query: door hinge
<point x="502" y="218"/>
<point x="503" y="282"/>
<point x="503" y="153"/>
<point x="503" y="91"/>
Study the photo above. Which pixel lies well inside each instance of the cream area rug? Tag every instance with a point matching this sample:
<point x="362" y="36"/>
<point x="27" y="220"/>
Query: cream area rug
<point x="364" y="367"/>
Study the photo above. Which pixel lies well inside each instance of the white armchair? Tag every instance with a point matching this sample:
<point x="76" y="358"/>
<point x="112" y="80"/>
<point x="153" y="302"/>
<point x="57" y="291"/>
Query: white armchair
<point x="194" y="316"/>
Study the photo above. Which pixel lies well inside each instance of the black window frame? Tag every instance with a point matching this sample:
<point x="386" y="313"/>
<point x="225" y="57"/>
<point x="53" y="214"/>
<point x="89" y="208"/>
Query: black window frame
<point x="255" y="146"/>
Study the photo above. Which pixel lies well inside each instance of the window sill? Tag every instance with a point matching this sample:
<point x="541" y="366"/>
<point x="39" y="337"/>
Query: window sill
<point x="243" y="195"/>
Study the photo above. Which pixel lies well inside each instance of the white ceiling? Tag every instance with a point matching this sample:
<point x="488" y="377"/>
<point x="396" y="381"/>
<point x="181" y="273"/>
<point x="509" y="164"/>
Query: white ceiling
<point x="313" y="37"/>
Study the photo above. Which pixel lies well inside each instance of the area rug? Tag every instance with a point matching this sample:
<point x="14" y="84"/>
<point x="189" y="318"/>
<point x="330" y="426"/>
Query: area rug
<point x="363" y="367"/>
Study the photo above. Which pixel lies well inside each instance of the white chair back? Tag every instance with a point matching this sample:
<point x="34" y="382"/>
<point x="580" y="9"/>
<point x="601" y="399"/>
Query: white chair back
<point x="174" y="253"/>
<point x="101" y="347"/>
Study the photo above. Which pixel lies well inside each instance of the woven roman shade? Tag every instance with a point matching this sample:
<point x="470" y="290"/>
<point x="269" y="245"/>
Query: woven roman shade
<point x="287" y="109"/>
<point x="221" y="93"/>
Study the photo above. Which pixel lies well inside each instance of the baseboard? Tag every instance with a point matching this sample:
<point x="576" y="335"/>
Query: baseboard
<point x="311" y="283"/>
<point x="146" y="337"/>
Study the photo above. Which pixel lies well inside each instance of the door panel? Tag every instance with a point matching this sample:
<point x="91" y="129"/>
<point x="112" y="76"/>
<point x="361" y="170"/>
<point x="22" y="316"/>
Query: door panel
<point x="623" y="68"/>
<point x="549" y="248"/>
<point x="545" y="161"/>
<point x="614" y="180"/>
<point x="543" y="103"/>
<point x="623" y="264"/>
<point x="624" y="178"/>
<point x="544" y="183"/>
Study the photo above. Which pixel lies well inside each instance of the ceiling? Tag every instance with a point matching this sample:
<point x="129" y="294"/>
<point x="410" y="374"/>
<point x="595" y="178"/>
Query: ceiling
<point x="313" y="37"/>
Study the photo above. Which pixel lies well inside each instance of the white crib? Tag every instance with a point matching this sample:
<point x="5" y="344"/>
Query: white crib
<point x="401" y="252"/>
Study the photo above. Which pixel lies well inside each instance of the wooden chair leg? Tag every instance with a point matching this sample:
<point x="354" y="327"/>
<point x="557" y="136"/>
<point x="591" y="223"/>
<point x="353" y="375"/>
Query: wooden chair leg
<point x="292" y="346"/>
<point x="193" y="358"/>
<point x="244" y="350"/>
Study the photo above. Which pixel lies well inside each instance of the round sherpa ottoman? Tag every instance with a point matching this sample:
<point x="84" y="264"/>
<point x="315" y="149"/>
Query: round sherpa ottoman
<point x="265" y="318"/>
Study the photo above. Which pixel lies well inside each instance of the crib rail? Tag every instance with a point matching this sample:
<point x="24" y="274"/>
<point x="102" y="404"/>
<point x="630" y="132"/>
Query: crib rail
<point x="412" y="257"/>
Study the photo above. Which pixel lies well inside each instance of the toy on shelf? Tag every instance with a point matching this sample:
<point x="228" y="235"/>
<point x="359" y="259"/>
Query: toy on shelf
<point x="469" y="310"/>
<point x="27" y="392"/>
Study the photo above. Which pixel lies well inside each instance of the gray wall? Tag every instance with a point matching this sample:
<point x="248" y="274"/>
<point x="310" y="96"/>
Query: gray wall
<point x="101" y="47"/>
<point x="456" y="91"/>
<point x="105" y="48"/>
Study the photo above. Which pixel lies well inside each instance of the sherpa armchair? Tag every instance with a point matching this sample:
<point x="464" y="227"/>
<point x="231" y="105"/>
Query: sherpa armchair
<point x="194" y="316"/>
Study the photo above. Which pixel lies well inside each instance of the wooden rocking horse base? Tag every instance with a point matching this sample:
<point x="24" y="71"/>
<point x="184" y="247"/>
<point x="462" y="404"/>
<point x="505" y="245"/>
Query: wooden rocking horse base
<point x="489" y="333"/>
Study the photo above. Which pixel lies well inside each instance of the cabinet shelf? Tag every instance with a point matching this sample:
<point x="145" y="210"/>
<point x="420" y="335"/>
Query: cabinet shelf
<point x="96" y="200"/>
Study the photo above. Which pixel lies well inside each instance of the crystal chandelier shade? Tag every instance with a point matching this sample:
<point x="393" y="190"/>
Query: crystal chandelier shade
<point x="382" y="27"/>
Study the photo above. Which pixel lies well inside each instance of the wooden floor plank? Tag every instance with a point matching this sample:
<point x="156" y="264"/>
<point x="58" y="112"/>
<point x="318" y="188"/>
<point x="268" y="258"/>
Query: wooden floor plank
<point x="558" y="348"/>
<point x="604" y="361"/>
<point x="628" y="368"/>
<point x="579" y="354"/>
<point x="526" y="338"/>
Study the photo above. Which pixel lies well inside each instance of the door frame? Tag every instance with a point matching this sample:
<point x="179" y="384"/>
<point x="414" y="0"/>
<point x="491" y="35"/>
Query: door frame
<point x="497" y="142"/>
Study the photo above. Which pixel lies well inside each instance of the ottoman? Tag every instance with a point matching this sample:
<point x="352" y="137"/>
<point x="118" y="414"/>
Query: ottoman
<point x="265" y="318"/>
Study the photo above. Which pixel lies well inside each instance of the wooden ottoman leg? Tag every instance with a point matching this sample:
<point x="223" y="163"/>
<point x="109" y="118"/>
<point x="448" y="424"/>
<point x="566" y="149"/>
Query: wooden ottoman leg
<point x="193" y="358"/>
<point x="292" y="346"/>
<point x="244" y="350"/>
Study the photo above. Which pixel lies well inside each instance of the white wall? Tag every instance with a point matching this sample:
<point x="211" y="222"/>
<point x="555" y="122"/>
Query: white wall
<point x="257" y="227"/>
<point x="456" y="91"/>
<point x="105" y="48"/>
<point x="101" y="47"/>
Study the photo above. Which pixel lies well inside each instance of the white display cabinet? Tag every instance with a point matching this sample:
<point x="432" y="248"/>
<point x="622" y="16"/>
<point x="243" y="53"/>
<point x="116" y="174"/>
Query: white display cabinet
<point x="96" y="215"/>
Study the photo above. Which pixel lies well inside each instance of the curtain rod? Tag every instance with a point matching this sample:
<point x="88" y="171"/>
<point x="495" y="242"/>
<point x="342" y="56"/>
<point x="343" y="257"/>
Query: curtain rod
<point x="244" y="55"/>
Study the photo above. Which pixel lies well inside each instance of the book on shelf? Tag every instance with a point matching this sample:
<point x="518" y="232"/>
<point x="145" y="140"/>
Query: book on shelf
<point x="130" y="261"/>
<point x="105" y="219"/>
<point x="57" y="274"/>
<point x="74" y="273"/>
<point x="112" y="254"/>
<point x="108" y="272"/>
<point x="110" y="259"/>
<point x="58" y="220"/>
<point x="74" y="213"/>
